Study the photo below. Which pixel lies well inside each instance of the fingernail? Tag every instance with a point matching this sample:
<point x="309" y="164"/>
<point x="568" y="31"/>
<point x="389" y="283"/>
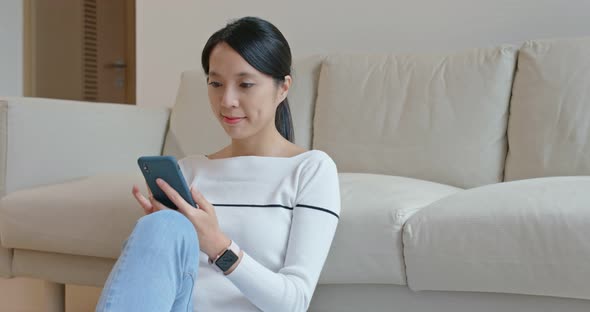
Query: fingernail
<point x="159" y="181"/>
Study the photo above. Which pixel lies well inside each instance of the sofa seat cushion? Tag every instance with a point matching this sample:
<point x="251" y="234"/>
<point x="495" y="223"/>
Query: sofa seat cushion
<point x="91" y="216"/>
<point x="526" y="237"/>
<point x="95" y="215"/>
<point x="367" y="247"/>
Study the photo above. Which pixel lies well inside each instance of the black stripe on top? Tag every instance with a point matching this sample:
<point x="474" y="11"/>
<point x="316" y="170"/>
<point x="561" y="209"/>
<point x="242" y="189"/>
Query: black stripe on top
<point x="320" y="209"/>
<point x="279" y="206"/>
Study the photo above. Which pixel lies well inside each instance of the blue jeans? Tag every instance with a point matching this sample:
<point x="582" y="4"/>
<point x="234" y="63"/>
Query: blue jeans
<point x="157" y="268"/>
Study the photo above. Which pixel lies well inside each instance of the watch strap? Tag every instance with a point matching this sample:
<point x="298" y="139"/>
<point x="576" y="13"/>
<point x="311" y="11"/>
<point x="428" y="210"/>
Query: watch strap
<point x="226" y="258"/>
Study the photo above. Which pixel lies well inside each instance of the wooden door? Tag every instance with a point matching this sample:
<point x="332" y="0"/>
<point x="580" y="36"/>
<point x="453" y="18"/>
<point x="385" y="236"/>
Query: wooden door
<point x="81" y="50"/>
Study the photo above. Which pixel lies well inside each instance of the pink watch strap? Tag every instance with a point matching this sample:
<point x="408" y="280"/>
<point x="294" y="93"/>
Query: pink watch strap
<point x="233" y="247"/>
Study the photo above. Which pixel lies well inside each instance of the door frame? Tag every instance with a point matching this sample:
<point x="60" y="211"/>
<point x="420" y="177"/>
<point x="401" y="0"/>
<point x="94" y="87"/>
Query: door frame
<point x="130" y="71"/>
<point x="28" y="49"/>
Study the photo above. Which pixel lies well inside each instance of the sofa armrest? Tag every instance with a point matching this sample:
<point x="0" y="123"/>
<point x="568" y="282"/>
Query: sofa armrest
<point x="44" y="141"/>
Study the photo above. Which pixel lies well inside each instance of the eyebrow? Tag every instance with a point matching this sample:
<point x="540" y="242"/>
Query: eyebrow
<point x="241" y="74"/>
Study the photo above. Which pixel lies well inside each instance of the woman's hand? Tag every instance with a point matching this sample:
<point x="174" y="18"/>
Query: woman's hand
<point x="211" y="240"/>
<point x="145" y="203"/>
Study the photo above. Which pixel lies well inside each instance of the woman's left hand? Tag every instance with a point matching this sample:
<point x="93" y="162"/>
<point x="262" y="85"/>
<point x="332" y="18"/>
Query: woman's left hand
<point x="212" y="240"/>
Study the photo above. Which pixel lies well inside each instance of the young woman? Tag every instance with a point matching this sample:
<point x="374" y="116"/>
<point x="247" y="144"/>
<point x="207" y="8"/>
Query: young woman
<point x="268" y="209"/>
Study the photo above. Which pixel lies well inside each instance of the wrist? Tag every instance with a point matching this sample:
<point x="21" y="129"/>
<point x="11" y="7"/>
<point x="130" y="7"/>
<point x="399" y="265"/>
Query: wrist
<point x="227" y="259"/>
<point x="220" y="244"/>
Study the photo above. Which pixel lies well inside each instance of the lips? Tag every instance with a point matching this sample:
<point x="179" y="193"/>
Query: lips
<point x="232" y="120"/>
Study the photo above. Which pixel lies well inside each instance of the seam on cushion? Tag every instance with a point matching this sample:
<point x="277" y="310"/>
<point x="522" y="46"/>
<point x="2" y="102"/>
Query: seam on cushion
<point x="314" y="102"/>
<point x="3" y="145"/>
<point x="403" y="229"/>
<point x="10" y="262"/>
<point x="3" y="167"/>
<point x="507" y="132"/>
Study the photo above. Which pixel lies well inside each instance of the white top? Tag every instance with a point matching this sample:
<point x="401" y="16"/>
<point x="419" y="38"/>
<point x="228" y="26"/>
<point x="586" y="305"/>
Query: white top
<point x="282" y="212"/>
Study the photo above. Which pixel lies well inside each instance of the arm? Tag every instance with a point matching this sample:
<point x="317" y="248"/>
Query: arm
<point x="44" y="141"/>
<point x="314" y="223"/>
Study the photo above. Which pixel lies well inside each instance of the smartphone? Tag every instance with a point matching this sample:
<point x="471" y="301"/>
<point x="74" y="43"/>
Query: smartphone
<point x="166" y="168"/>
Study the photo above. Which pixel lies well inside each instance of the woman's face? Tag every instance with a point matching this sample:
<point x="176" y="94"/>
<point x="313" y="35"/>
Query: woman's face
<point x="243" y="99"/>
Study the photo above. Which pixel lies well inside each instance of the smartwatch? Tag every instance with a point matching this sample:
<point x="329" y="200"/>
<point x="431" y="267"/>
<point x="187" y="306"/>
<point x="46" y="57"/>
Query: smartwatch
<point x="227" y="258"/>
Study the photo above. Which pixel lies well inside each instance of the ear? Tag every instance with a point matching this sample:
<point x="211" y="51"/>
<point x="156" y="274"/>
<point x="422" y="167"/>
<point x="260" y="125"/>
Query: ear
<point x="284" y="88"/>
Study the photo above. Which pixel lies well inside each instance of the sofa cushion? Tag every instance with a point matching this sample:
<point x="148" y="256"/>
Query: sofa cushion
<point x="367" y="247"/>
<point x="302" y="96"/>
<point x="62" y="268"/>
<point x="89" y="217"/>
<point x="549" y="126"/>
<point x="526" y="237"/>
<point x="95" y="215"/>
<point x="45" y="141"/>
<point x="440" y="118"/>
<point x="194" y="129"/>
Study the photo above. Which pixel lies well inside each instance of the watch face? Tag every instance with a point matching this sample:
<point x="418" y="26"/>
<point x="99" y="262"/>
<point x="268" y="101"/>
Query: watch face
<point x="226" y="260"/>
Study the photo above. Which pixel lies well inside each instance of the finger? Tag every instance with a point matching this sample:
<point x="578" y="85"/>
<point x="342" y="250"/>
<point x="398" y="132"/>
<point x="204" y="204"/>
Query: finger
<point x="191" y="189"/>
<point x="143" y="202"/>
<point x="172" y="194"/>
<point x="140" y="198"/>
<point x="157" y="205"/>
<point x="200" y="200"/>
<point x="184" y="209"/>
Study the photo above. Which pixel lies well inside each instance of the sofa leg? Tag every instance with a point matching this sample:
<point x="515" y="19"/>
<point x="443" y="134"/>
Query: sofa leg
<point x="55" y="296"/>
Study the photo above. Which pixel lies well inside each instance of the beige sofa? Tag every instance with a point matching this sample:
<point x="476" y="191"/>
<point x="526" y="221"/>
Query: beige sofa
<point x="465" y="177"/>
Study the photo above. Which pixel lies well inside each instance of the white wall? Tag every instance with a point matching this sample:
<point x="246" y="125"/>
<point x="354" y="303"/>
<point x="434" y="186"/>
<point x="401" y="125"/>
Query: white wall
<point x="11" y="48"/>
<point x="170" y="35"/>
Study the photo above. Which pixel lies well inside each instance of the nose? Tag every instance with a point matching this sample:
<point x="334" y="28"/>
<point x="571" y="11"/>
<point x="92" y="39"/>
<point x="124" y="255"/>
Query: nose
<point x="229" y="98"/>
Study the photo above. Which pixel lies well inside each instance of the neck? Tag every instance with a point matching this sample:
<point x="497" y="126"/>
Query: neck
<point x="270" y="143"/>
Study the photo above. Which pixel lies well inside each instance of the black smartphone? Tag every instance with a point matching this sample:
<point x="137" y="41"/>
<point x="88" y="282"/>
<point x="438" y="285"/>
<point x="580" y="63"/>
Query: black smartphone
<point x="166" y="168"/>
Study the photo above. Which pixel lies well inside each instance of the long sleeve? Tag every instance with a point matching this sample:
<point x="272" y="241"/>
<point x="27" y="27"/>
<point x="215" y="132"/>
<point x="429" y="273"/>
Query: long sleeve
<point x="314" y="221"/>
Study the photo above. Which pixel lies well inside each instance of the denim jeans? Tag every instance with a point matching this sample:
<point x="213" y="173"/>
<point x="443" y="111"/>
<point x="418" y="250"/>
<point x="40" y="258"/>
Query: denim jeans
<point x="157" y="268"/>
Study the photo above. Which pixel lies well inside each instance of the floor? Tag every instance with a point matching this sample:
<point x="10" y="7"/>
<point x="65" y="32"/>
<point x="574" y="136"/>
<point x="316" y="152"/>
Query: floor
<point x="30" y="295"/>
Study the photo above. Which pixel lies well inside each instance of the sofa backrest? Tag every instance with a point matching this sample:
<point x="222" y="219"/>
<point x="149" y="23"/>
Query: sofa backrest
<point x="194" y="130"/>
<point x="549" y="126"/>
<point x="440" y="118"/>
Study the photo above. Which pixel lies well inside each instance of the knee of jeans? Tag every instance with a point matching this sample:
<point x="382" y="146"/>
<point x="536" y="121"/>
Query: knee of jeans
<point x="169" y="222"/>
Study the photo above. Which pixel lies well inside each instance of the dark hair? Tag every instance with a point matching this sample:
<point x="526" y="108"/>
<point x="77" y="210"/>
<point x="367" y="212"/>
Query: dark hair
<point x="265" y="48"/>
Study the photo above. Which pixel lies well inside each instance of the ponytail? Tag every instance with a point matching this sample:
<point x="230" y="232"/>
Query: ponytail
<point x="283" y="121"/>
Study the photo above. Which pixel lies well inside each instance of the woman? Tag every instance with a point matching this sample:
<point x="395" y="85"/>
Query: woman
<point x="268" y="209"/>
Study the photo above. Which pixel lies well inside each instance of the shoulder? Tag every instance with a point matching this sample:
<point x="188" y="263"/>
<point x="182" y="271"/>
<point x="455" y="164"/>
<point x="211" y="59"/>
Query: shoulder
<point x="319" y="184"/>
<point x="318" y="163"/>
<point x="320" y="157"/>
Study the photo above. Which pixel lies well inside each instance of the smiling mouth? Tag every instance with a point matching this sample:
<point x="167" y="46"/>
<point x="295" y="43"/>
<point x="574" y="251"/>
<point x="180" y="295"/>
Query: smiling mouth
<point x="232" y="120"/>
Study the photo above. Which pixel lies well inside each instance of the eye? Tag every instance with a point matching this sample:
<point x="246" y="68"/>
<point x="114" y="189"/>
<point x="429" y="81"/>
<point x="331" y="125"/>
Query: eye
<point x="246" y="85"/>
<point x="214" y="84"/>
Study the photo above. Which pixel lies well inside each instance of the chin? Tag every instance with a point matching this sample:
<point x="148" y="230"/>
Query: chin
<point x="235" y="134"/>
